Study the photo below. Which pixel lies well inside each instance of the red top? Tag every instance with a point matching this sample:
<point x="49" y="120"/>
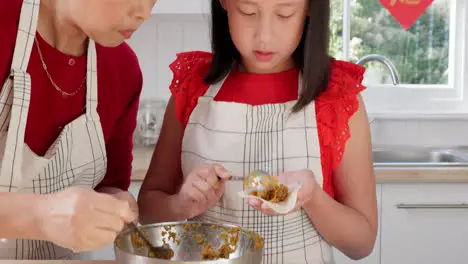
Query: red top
<point x="119" y="82"/>
<point x="334" y="107"/>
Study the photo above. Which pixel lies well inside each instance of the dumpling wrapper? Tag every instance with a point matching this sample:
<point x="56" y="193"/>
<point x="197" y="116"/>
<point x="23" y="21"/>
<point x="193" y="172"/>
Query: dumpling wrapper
<point x="282" y="207"/>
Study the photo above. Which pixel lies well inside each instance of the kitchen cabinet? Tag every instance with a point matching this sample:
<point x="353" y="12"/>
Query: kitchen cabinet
<point x="182" y="7"/>
<point x="424" y="223"/>
<point x="374" y="257"/>
<point x="419" y="223"/>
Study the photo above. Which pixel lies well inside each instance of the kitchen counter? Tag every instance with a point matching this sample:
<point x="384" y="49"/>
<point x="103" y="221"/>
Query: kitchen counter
<point x="142" y="159"/>
<point x="421" y="175"/>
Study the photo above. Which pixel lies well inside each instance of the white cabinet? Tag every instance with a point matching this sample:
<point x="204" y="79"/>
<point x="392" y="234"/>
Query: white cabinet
<point x="182" y="7"/>
<point x="419" y="223"/>
<point x="374" y="257"/>
<point x="424" y="223"/>
<point x="107" y="253"/>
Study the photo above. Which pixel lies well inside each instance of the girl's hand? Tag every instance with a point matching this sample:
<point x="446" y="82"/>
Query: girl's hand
<point x="305" y="178"/>
<point x="202" y="189"/>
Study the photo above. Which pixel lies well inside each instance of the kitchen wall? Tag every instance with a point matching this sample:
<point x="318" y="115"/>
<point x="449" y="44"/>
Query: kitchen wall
<point x="162" y="36"/>
<point x="425" y="132"/>
<point x="158" y="41"/>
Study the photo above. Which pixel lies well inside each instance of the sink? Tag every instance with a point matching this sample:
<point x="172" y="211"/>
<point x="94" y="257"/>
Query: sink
<point x="420" y="156"/>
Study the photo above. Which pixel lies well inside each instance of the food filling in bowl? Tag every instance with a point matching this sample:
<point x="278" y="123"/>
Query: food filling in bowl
<point x="229" y="241"/>
<point x="164" y="252"/>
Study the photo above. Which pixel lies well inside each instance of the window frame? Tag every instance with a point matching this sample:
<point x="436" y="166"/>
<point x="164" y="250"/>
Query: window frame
<point x="403" y="100"/>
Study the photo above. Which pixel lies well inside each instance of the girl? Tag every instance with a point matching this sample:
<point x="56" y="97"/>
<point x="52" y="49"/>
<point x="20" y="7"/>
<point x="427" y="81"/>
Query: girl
<point x="268" y="98"/>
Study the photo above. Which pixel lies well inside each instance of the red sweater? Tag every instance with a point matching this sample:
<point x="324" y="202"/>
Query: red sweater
<point x="334" y="107"/>
<point x="119" y="88"/>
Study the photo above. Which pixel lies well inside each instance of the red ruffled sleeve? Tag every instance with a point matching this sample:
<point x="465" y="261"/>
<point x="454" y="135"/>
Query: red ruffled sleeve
<point x="334" y="108"/>
<point x="189" y="69"/>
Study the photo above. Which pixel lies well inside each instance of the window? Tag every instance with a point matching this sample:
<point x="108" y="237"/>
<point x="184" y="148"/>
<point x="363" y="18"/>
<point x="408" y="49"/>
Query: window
<point x="429" y="57"/>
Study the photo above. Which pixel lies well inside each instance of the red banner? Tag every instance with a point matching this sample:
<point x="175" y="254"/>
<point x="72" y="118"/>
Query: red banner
<point x="406" y="12"/>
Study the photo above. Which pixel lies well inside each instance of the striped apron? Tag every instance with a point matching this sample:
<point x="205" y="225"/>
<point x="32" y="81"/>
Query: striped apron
<point x="76" y="158"/>
<point x="267" y="137"/>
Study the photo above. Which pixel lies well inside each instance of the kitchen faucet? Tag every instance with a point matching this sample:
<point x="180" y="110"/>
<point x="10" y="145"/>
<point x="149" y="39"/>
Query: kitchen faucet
<point x="385" y="61"/>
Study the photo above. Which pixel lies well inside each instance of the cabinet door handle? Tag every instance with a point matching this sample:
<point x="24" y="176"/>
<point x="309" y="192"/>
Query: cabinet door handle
<point x="432" y="206"/>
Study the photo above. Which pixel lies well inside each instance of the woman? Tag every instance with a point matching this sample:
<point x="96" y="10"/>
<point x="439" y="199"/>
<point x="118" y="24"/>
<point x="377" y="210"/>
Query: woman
<point x="68" y="111"/>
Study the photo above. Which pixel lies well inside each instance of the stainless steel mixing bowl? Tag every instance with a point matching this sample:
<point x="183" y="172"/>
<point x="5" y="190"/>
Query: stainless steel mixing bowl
<point x="185" y="245"/>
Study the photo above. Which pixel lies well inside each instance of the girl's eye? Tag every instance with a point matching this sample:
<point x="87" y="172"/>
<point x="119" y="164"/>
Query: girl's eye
<point x="247" y="13"/>
<point x="285" y="15"/>
<point x="247" y="10"/>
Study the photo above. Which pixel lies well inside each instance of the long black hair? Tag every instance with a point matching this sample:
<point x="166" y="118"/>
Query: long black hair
<point x="311" y="55"/>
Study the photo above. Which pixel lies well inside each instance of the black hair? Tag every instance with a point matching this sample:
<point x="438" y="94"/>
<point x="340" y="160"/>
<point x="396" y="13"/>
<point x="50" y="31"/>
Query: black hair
<point x="311" y="55"/>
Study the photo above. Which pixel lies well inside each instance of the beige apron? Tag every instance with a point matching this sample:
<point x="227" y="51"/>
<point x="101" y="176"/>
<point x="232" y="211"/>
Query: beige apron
<point x="267" y="137"/>
<point x="76" y="158"/>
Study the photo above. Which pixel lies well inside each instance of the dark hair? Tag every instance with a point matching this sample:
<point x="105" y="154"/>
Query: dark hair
<point x="311" y="55"/>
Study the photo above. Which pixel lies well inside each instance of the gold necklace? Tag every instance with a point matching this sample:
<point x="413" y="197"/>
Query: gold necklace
<point x="65" y="94"/>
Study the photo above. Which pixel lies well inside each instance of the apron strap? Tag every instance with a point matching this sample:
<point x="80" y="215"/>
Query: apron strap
<point x="214" y="88"/>
<point x="13" y="154"/>
<point x="19" y="96"/>
<point x="92" y="83"/>
<point x="25" y="35"/>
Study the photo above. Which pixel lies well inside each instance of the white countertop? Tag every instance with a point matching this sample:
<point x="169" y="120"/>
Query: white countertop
<point x="141" y="161"/>
<point x="57" y="261"/>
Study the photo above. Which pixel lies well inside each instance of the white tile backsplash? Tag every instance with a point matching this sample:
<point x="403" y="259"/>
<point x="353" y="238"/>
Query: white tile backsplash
<point x="158" y="41"/>
<point x="448" y="132"/>
<point x="162" y="36"/>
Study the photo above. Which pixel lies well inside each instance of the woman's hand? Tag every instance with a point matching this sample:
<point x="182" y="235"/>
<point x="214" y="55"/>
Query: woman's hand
<point x="305" y="178"/>
<point x="123" y="196"/>
<point x="202" y="189"/>
<point x="128" y="197"/>
<point x="81" y="219"/>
